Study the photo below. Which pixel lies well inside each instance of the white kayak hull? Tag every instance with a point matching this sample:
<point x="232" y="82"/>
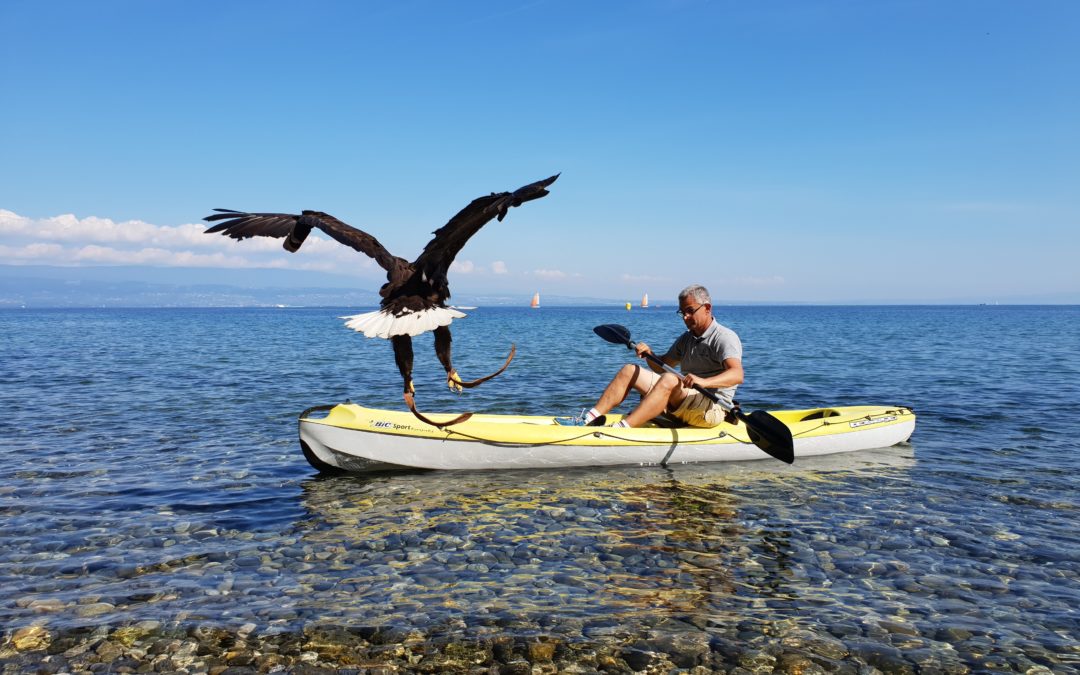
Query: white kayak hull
<point x="356" y="439"/>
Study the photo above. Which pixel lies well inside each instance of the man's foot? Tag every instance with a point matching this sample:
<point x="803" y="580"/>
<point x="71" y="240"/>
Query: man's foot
<point x="579" y="421"/>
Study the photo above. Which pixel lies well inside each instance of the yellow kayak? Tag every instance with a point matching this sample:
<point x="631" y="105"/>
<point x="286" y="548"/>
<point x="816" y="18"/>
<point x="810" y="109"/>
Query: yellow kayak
<point x="352" y="438"/>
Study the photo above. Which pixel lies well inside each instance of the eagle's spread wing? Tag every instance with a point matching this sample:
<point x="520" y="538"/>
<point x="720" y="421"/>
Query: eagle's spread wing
<point x="435" y="260"/>
<point x="241" y="225"/>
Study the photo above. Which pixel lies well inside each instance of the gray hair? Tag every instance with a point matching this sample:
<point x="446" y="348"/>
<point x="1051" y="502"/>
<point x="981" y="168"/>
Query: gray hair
<point x="699" y="294"/>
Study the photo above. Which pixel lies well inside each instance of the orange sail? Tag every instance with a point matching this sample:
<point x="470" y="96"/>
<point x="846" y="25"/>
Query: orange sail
<point x="535" y="301"/>
<point x="645" y="301"/>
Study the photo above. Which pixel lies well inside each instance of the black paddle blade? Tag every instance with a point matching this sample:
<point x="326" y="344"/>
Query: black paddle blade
<point x="771" y="435"/>
<point x="614" y="333"/>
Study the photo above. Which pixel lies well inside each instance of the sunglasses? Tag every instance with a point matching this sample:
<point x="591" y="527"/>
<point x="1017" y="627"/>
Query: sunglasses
<point x="688" y="311"/>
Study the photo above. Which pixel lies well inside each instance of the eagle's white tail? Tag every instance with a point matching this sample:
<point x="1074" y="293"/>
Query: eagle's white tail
<point x="384" y="324"/>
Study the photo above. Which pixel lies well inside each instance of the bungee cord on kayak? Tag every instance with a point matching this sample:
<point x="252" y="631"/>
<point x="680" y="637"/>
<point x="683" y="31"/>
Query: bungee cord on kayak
<point x="605" y="432"/>
<point x="599" y="432"/>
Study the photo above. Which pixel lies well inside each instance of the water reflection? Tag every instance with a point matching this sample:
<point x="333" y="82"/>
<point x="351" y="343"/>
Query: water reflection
<point x="603" y="550"/>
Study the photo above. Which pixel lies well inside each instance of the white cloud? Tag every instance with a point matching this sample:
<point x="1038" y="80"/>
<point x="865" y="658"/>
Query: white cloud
<point x="550" y="274"/>
<point x="30" y="252"/>
<point x="774" y="280"/>
<point x="159" y="257"/>
<point x="469" y="267"/>
<point x="68" y="240"/>
<point x="70" y="229"/>
<point x="642" y="278"/>
<point x="555" y="274"/>
<point x="11" y="220"/>
<point x="93" y="254"/>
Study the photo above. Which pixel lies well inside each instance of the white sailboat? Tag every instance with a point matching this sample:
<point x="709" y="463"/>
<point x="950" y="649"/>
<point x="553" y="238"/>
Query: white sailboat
<point x="645" y="301"/>
<point x="535" y="304"/>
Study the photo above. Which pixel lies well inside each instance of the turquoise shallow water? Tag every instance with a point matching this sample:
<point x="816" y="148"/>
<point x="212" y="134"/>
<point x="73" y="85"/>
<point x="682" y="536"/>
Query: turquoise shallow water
<point x="153" y="483"/>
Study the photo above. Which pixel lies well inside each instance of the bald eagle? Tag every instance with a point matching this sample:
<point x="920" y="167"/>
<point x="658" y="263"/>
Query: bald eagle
<point x="414" y="296"/>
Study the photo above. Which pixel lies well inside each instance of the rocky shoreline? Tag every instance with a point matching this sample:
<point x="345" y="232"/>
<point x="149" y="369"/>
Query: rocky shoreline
<point x="148" y="647"/>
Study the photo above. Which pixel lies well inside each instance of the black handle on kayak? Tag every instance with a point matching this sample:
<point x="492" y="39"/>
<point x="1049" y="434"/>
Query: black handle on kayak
<point x="766" y="432"/>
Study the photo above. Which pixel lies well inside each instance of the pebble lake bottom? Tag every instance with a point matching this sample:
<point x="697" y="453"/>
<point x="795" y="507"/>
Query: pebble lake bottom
<point x="158" y="515"/>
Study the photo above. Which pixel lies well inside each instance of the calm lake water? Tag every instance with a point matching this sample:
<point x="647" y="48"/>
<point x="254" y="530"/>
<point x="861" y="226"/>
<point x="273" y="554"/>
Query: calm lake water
<point x="157" y="511"/>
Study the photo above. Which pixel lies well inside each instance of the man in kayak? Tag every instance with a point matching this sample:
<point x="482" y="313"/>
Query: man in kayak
<point x="710" y="356"/>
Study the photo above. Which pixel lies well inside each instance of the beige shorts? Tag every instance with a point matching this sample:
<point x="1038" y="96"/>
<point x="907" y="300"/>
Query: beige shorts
<point x="697" y="409"/>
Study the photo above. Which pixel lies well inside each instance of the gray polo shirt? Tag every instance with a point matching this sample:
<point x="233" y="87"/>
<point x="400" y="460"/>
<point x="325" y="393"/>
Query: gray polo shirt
<point x="704" y="356"/>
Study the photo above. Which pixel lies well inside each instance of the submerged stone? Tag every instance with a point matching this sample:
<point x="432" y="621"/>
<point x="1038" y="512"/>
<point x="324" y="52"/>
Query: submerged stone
<point x="31" y="638"/>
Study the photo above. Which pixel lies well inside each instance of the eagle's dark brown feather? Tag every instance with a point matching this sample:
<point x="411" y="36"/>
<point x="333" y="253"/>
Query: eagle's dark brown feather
<point x="240" y="225"/>
<point x="449" y="239"/>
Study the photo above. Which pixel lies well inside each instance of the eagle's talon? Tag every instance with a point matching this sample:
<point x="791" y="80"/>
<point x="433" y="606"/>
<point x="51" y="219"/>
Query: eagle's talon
<point x="477" y="382"/>
<point x="453" y="381"/>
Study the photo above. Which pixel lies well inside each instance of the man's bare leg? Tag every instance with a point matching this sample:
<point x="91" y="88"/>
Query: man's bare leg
<point x="619" y="388"/>
<point x="667" y="392"/>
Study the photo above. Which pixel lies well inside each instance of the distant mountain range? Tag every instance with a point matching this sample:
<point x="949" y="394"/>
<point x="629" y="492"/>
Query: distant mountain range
<point x="44" y="286"/>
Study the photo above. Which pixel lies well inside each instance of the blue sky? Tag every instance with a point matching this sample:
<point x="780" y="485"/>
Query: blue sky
<point x="779" y="151"/>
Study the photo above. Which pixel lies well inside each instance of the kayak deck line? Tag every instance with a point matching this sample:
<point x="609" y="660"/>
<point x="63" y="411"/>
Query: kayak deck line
<point x="597" y="432"/>
<point x="354" y="438"/>
<point x="594" y="432"/>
